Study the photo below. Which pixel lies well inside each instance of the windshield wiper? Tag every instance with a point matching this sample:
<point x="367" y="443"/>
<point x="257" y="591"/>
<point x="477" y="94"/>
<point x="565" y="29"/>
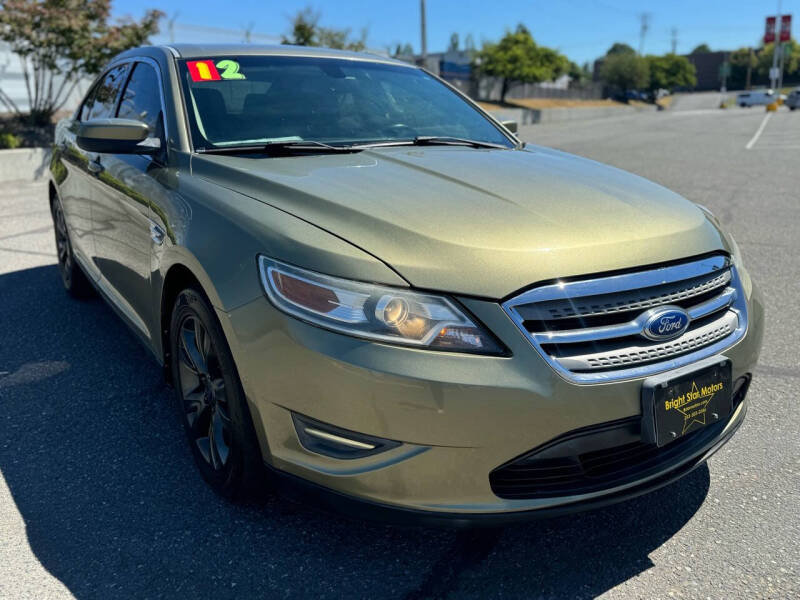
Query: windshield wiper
<point x="433" y="140"/>
<point x="298" y="146"/>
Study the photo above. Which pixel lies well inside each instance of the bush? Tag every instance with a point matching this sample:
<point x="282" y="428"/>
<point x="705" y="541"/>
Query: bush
<point x="9" y="141"/>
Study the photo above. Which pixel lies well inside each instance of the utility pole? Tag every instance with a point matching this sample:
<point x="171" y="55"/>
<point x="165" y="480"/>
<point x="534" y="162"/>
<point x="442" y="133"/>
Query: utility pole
<point x="644" y="20"/>
<point x="423" y="32"/>
<point x="248" y="32"/>
<point x="749" y="68"/>
<point x="674" y="40"/>
<point x="171" y="26"/>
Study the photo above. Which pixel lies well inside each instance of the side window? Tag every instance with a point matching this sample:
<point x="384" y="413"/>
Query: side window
<point x="86" y="108"/>
<point x="106" y="94"/>
<point x="142" y="98"/>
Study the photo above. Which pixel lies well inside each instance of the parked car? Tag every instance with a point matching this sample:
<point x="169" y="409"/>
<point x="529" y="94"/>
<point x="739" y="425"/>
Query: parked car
<point x="756" y="98"/>
<point x="793" y="99"/>
<point x="363" y="286"/>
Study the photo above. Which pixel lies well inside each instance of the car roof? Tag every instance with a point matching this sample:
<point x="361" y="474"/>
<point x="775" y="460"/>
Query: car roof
<point x="207" y="50"/>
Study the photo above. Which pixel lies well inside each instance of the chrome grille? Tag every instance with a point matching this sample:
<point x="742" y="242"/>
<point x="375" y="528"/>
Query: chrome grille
<point x="592" y="330"/>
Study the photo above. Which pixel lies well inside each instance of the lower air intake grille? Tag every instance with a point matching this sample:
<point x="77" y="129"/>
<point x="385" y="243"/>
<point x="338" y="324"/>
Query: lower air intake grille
<point x="599" y="458"/>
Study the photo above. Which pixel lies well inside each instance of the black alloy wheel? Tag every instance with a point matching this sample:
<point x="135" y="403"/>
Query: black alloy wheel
<point x="211" y="400"/>
<point x="205" y="405"/>
<point x="75" y="282"/>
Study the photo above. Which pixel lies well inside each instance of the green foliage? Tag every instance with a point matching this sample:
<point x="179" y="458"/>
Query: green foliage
<point x="306" y="31"/>
<point x="454" y="42"/>
<point x="403" y="50"/>
<point x="61" y="41"/>
<point x="9" y="140"/>
<point x="517" y="57"/>
<point x="791" y="59"/>
<point x="620" y="48"/>
<point x="579" y="74"/>
<point x="469" y="43"/>
<point x="625" y="71"/>
<point x="701" y="49"/>
<point x="671" y="71"/>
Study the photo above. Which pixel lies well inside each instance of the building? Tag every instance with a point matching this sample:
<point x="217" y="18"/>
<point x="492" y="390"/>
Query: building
<point x="708" y="66"/>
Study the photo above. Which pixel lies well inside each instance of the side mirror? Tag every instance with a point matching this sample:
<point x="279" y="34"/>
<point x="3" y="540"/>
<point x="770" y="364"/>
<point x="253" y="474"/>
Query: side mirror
<point x="510" y="125"/>
<point x="116" y="136"/>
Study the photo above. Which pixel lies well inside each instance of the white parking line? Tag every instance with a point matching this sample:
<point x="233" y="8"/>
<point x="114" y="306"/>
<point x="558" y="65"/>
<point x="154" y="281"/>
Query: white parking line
<point x="754" y="139"/>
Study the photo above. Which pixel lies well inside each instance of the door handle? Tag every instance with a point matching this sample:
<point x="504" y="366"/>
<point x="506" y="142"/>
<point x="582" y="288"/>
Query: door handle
<point x="94" y="167"/>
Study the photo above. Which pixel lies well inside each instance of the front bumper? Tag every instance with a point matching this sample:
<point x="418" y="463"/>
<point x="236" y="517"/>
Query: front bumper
<point x="458" y="416"/>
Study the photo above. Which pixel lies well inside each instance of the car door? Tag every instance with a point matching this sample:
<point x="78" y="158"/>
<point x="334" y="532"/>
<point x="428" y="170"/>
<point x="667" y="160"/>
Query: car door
<point x="127" y="185"/>
<point x="77" y="181"/>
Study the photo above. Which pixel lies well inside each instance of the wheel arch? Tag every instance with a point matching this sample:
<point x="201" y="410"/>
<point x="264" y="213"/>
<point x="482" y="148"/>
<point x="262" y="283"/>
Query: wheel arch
<point x="177" y="278"/>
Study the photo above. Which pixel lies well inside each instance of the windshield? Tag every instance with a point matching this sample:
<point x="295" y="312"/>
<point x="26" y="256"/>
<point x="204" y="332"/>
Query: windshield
<point x="246" y="100"/>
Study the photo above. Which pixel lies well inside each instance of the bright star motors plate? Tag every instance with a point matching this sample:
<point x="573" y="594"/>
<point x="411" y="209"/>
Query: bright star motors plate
<point x="679" y="402"/>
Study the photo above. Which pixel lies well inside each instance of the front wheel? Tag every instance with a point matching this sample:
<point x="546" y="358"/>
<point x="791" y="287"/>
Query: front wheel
<point x="211" y="400"/>
<point x="73" y="278"/>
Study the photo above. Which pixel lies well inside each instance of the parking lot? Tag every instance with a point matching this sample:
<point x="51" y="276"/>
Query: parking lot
<point x="99" y="497"/>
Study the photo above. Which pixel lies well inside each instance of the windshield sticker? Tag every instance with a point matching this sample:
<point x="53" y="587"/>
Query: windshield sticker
<point x="206" y="70"/>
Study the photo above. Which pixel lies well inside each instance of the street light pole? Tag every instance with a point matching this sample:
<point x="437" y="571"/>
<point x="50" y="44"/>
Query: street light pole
<point x="423" y="32"/>
<point x="773" y="71"/>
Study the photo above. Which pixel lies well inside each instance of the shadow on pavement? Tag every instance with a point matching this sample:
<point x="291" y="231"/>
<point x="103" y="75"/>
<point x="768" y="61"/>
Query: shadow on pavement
<point x="95" y="460"/>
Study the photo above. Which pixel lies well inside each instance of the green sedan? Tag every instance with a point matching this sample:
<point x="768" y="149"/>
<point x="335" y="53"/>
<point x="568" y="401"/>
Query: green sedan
<point x="365" y="289"/>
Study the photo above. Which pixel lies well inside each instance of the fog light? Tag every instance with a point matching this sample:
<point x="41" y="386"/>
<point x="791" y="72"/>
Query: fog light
<point x="329" y="440"/>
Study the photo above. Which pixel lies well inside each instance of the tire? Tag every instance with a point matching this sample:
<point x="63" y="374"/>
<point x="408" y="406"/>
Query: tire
<point x="72" y="276"/>
<point x="211" y="402"/>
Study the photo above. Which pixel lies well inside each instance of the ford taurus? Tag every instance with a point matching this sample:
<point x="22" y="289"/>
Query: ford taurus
<point x="362" y="286"/>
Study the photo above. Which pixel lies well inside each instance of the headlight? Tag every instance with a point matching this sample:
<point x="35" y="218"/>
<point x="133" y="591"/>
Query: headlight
<point x="373" y="312"/>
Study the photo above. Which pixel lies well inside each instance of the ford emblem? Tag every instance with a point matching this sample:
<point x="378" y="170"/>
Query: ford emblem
<point x="665" y="323"/>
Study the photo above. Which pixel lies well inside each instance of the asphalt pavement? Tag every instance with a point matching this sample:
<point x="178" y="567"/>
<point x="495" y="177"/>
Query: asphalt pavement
<point x="99" y="497"/>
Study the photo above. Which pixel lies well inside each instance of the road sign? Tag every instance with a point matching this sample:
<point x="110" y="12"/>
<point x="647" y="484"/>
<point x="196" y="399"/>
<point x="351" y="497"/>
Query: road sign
<point x="786" y="28"/>
<point x="769" y="32"/>
<point x="774" y="73"/>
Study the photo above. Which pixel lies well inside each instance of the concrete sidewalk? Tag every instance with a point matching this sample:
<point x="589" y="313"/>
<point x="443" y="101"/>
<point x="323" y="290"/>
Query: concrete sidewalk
<point x="24" y="164"/>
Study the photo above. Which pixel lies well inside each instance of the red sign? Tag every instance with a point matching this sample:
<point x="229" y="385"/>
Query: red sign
<point x="769" y="34"/>
<point x="786" y="28"/>
<point x="203" y="70"/>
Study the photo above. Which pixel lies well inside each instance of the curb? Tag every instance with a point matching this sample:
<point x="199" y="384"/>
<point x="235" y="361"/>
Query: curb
<point x="24" y="164"/>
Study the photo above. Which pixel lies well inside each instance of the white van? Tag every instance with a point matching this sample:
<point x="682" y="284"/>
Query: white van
<point x="755" y="98"/>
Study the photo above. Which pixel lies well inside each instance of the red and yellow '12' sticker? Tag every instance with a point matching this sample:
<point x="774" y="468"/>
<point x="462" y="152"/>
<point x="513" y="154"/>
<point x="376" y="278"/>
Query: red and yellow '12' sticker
<point x="206" y="70"/>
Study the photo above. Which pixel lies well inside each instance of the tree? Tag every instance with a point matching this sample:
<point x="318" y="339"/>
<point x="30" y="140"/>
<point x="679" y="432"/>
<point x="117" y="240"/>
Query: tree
<point x="403" y="50"/>
<point x="306" y="31"/>
<point x="579" y="74"/>
<point x="670" y="72"/>
<point x="620" y="48"/>
<point x="625" y="71"/>
<point x="59" y="42"/>
<point x="469" y="43"/>
<point x="741" y="61"/>
<point x="701" y="49"/>
<point x="454" y="43"/>
<point x="517" y="57"/>
<point x="791" y="58"/>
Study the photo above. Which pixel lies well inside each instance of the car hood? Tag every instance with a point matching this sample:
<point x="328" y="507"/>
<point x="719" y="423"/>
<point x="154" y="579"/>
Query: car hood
<point x="473" y="221"/>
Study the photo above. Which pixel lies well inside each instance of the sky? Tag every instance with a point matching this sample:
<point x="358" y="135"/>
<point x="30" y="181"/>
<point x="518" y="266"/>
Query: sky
<point x="581" y="29"/>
